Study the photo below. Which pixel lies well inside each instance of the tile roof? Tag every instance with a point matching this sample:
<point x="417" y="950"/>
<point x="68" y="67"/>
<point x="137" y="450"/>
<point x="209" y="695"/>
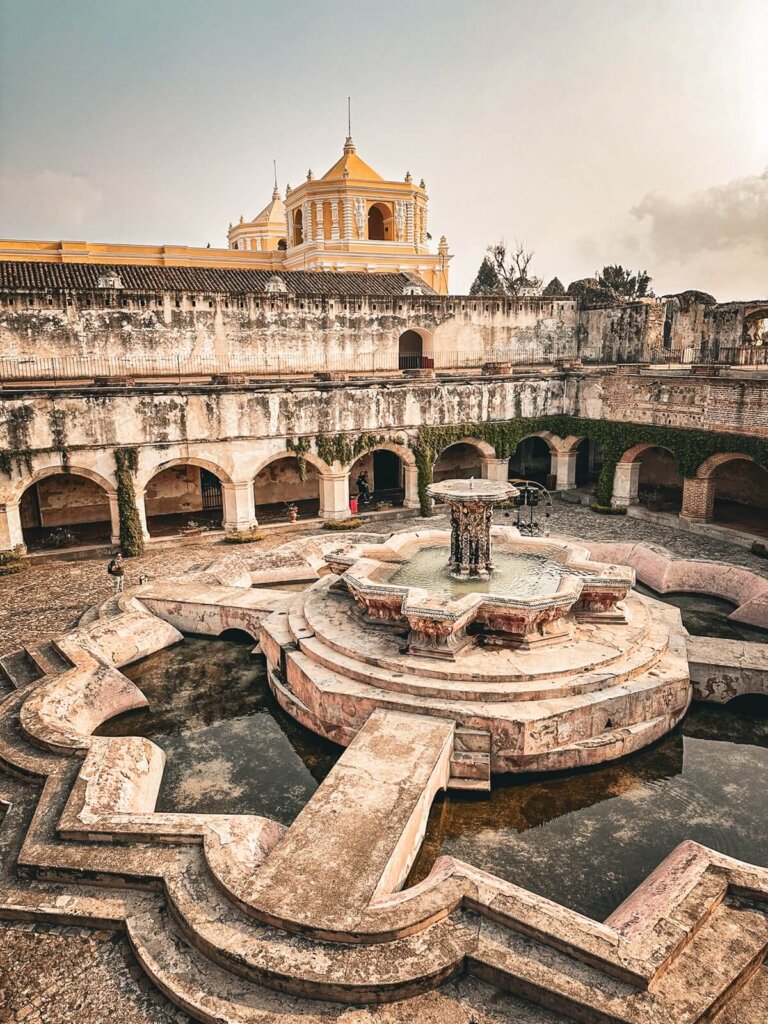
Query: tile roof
<point x="28" y="274"/>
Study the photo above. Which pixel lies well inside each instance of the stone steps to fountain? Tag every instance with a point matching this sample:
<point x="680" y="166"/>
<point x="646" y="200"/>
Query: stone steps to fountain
<point x="747" y="1003"/>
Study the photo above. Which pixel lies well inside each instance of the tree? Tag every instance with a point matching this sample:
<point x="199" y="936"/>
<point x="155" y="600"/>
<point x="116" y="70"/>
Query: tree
<point x="555" y="287"/>
<point x="624" y="282"/>
<point x="487" y="281"/>
<point x="513" y="268"/>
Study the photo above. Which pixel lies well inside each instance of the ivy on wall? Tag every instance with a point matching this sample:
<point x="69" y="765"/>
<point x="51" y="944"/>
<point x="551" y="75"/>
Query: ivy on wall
<point x="131" y="537"/>
<point x="689" y="447"/>
<point x="336" y="447"/>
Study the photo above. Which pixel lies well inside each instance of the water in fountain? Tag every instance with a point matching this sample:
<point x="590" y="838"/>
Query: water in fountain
<point x="515" y="573"/>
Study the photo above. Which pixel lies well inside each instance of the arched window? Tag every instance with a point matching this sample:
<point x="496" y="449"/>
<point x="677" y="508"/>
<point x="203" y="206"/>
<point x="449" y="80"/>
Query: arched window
<point x="379" y="223"/>
<point x="298" y="227"/>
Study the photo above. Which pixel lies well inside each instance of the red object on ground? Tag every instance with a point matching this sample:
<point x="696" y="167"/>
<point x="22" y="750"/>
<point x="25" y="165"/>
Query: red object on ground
<point x="353" y="506"/>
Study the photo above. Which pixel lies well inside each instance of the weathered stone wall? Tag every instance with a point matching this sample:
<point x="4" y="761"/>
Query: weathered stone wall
<point x="174" y="490"/>
<point x="621" y="333"/>
<point x="280" y="481"/>
<point x="743" y="482"/>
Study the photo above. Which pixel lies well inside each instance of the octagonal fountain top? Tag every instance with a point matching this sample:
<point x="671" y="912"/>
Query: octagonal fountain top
<point x="486" y="491"/>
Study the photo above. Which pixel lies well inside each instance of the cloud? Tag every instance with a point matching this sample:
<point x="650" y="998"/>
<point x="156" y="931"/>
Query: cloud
<point x="50" y="201"/>
<point x="724" y="217"/>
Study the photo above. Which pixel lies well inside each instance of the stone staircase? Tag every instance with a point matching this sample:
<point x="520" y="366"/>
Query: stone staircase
<point x="471" y="760"/>
<point x="31" y="664"/>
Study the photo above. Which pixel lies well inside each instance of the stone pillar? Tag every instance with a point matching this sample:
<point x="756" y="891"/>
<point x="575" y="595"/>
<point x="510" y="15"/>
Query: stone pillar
<point x="411" y="475"/>
<point x="698" y="500"/>
<point x="564" y="466"/>
<point x="319" y="221"/>
<point x="306" y="220"/>
<point x="335" y="220"/>
<point x="347" y="218"/>
<point x="141" y="507"/>
<point x="114" y="519"/>
<point x="409" y="221"/>
<point x="239" y="508"/>
<point x="626" y="482"/>
<point x="10" y="526"/>
<point x="495" y="469"/>
<point x="334" y="496"/>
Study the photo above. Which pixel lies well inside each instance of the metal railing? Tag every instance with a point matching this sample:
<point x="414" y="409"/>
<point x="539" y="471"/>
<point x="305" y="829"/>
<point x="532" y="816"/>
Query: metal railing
<point x="305" y="363"/>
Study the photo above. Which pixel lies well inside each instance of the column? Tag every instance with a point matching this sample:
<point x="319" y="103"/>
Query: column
<point x="335" y="220"/>
<point x="411" y="480"/>
<point x="10" y="526"/>
<point x="114" y="519"/>
<point x="334" y="496"/>
<point x="319" y="221"/>
<point x="698" y="500"/>
<point x="626" y="481"/>
<point x="347" y="218"/>
<point x="141" y="508"/>
<point x="564" y="465"/>
<point x="239" y="508"/>
<point x="306" y="217"/>
<point x="495" y="469"/>
<point x="409" y="221"/>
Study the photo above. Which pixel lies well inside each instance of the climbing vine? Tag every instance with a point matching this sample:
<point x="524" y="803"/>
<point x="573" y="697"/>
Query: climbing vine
<point x="131" y="537"/>
<point x="336" y="447"/>
<point x="689" y="447"/>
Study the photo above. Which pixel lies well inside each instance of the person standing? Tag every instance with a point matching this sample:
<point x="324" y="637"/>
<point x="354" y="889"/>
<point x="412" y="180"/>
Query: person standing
<point x="116" y="570"/>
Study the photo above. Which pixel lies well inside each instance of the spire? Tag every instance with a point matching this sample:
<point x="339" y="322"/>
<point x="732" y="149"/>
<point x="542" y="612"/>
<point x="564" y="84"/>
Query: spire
<point x="349" y="146"/>
<point x="275" y="190"/>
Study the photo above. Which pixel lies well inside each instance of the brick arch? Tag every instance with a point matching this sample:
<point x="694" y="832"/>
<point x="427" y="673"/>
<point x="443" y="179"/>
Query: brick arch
<point x="149" y="474"/>
<point x="314" y="460"/>
<point x="40" y="474"/>
<point x="633" y="454"/>
<point x="711" y="464"/>
<point x="404" y="453"/>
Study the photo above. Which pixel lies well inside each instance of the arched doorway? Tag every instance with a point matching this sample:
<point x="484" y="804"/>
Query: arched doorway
<point x="414" y="350"/>
<point x="741" y="496"/>
<point x="379" y="223"/>
<point x="660" y="482"/>
<point x="183" y="497"/>
<point x="458" y="461"/>
<point x="282" y="483"/>
<point x="386" y="476"/>
<point x="532" y="460"/>
<point x="64" y="509"/>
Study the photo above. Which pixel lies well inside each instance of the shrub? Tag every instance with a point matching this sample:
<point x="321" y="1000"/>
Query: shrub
<point x="13" y="562"/>
<point x="759" y="549"/>
<point x="342" y="524"/>
<point x="608" y="510"/>
<point x="244" y="536"/>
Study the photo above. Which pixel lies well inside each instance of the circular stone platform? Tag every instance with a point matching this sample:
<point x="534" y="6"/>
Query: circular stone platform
<point x="595" y="679"/>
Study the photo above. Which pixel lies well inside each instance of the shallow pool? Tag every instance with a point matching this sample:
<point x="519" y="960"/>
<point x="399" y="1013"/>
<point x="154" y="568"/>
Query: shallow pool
<point x="585" y="839"/>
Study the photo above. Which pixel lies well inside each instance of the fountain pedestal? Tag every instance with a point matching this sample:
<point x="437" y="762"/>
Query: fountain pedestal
<point x="471" y="503"/>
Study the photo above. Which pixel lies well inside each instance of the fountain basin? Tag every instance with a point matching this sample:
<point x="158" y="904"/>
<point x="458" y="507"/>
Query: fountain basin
<point x="444" y="624"/>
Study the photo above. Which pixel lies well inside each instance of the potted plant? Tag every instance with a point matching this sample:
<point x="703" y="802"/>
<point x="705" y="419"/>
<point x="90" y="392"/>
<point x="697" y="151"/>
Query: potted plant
<point x="293" y="512"/>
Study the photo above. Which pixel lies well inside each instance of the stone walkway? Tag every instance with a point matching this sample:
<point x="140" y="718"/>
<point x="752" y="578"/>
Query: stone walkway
<point x="44" y="601"/>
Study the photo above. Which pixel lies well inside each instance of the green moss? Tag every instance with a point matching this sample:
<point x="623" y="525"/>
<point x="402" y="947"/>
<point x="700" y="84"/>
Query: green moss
<point x="342" y="524"/>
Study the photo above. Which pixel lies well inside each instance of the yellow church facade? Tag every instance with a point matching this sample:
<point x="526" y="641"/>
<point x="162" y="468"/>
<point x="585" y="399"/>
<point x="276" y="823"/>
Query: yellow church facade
<point x="349" y="220"/>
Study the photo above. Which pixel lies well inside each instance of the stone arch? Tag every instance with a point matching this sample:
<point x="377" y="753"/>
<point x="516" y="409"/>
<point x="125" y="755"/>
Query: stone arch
<point x="181" y="491"/>
<point x="59" y="506"/>
<point x="532" y="458"/>
<point x="391" y="472"/>
<point x="462" y="459"/>
<point x="653" y="477"/>
<point x="275" y="486"/>
<point x="712" y="463"/>
<point x="755" y="327"/>
<point x="40" y="474"/>
<point x="633" y="454"/>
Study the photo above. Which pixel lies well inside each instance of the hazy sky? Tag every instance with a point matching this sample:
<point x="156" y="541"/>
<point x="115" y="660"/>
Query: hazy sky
<point x="595" y="131"/>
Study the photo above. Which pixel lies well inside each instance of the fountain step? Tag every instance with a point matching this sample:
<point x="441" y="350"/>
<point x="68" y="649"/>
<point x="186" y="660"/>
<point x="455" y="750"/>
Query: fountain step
<point x="469" y="785"/>
<point x="49" y="658"/>
<point x="331" y="618"/>
<point x="748" y="1003"/>
<point x="471" y="739"/>
<point x="18" y="669"/>
<point x="471" y="765"/>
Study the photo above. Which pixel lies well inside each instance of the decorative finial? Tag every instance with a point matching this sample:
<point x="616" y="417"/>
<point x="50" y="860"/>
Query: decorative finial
<point x="288" y="189"/>
<point x="345" y="173"/>
<point x="349" y="146"/>
<point x="310" y="175"/>
<point x="275" y="190"/>
<point x="408" y="177"/>
<point x="241" y="218"/>
<point x="422" y="184"/>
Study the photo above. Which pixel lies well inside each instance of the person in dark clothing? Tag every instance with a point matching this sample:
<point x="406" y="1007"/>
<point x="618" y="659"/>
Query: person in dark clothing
<point x="363" y="487"/>
<point x="116" y="570"/>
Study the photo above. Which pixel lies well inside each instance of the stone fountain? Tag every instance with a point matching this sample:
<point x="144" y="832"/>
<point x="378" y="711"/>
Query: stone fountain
<point x="471" y="503"/>
<point x="547" y="658"/>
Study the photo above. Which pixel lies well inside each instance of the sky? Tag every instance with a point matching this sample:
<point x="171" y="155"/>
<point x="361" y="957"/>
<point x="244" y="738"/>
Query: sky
<point x="592" y="131"/>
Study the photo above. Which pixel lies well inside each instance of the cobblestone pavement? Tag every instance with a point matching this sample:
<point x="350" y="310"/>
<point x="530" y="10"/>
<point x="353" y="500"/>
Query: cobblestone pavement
<point x="47" y="599"/>
<point x="56" y="975"/>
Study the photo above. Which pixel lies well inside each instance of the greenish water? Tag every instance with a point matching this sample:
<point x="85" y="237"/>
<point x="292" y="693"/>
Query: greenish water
<point x="585" y="839"/>
<point x="517" y="574"/>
